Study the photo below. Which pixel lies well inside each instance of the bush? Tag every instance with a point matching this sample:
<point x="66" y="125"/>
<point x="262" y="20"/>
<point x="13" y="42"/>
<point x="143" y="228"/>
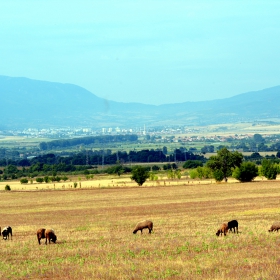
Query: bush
<point x="7" y="188"/>
<point x="153" y="177"/>
<point x="75" y="185"/>
<point x="193" y="174"/>
<point x="155" y="168"/>
<point x="64" y="178"/>
<point x="40" y="180"/>
<point x="167" y="166"/>
<point x="204" y="172"/>
<point x="170" y="174"/>
<point x="269" y="170"/>
<point x="23" y="181"/>
<point x="46" y="179"/>
<point x="247" y="172"/>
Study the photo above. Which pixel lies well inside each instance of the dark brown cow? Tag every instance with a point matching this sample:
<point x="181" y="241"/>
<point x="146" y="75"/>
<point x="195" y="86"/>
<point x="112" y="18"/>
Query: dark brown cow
<point x="48" y="234"/>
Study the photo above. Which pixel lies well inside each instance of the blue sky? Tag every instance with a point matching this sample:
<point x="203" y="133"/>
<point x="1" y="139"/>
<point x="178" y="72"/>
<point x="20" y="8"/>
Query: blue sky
<point x="153" y="52"/>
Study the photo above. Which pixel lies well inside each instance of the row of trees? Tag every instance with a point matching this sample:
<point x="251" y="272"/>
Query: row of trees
<point x="105" y="157"/>
<point x="226" y="164"/>
<point x="104" y="139"/>
<point x="220" y="167"/>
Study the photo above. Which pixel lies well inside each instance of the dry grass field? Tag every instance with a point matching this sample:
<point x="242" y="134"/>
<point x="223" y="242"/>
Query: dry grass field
<point x="94" y="228"/>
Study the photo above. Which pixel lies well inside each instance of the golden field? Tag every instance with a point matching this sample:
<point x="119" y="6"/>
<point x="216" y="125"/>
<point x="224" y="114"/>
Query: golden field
<point x="94" y="225"/>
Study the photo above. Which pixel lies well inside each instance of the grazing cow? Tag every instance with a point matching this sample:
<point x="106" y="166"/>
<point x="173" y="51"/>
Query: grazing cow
<point x="275" y="227"/>
<point x="223" y="229"/>
<point x="144" y="224"/>
<point x="233" y="225"/>
<point x="6" y="232"/>
<point x="46" y="233"/>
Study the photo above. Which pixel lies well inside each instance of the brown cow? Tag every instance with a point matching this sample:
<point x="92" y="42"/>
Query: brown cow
<point x="275" y="227"/>
<point x="223" y="229"/>
<point x="46" y="233"/>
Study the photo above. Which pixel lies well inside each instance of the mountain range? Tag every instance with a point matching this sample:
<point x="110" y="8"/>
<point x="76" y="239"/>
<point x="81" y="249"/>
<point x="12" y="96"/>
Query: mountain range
<point x="27" y="103"/>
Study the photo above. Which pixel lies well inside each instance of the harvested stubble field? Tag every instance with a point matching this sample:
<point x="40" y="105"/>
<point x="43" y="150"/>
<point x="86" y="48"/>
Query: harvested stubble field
<point x="95" y="241"/>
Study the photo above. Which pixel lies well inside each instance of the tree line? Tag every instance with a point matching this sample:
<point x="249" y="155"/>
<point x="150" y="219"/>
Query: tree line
<point x="104" y="139"/>
<point x="221" y="166"/>
<point x="104" y="157"/>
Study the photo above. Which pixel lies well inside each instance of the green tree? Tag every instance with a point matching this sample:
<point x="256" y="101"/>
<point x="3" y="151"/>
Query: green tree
<point x="189" y="164"/>
<point x="268" y="169"/>
<point x="258" y="138"/>
<point x="11" y="169"/>
<point x="246" y="172"/>
<point x="223" y="163"/>
<point x="139" y="175"/>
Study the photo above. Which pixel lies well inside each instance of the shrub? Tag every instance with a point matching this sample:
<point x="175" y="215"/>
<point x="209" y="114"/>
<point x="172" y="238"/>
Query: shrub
<point x="40" y="180"/>
<point x="170" y="174"/>
<point x="153" y="177"/>
<point x="46" y="179"/>
<point x="174" y="165"/>
<point x="193" y="174"/>
<point x="269" y="169"/>
<point x="64" y="178"/>
<point x="247" y="172"/>
<point x="167" y="166"/>
<point x="23" y="181"/>
<point x="155" y="168"/>
<point x="75" y="185"/>
<point x="178" y="174"/>
<point x="7" y="188"/>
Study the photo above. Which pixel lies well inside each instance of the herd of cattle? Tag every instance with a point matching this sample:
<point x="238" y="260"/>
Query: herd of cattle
<point x="49" y="234"/>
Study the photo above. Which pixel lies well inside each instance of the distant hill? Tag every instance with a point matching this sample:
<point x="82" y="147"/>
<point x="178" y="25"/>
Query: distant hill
<point x="39" y="104"/>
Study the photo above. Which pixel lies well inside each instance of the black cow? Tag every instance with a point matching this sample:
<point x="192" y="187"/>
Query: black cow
<point x="6" y="232"/>
<point x="233" y="225"/>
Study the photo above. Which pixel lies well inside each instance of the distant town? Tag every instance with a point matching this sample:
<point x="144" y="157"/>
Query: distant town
<point x="160" y="134"/>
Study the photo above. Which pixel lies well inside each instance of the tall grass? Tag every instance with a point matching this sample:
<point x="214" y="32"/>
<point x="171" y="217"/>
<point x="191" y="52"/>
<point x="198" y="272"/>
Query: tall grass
<point x="95" y="241"/>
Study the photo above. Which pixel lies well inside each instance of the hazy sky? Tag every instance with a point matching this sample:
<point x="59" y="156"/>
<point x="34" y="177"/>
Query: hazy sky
<point x="148" y="51"/>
